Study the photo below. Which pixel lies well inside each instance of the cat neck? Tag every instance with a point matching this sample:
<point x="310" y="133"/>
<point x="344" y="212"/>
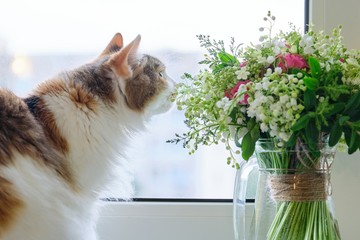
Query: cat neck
<point x="96" y="141"/>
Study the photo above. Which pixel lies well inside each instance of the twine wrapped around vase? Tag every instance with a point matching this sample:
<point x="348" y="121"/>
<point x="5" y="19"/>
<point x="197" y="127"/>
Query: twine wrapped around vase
<point x="299" y="187"/>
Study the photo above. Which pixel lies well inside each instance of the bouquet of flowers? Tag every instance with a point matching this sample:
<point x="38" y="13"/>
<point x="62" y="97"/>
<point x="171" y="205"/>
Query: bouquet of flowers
<point x="291" y="87"/>
<point x="296" y="90"/>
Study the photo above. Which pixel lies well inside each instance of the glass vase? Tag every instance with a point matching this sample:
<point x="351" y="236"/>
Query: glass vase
<point x="293" y="198"/>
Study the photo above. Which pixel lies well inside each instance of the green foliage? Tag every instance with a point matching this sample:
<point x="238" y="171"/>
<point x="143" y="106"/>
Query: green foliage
<point x="315" y="68"/>
<point x="311" y="83"/>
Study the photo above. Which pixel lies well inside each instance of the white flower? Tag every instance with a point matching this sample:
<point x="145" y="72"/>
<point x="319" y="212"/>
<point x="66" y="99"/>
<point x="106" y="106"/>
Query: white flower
<point x="228" y="120"/>
<point x="268" y="72"/>
<point x="276" y="113"/>
<point x="261" y="59"/>
<point x="219" y="104"/>
<point x="281" y="44"/>
<point x="251" y="112"/>
<point x="267" y="44"/>
<point x="270" y="59"/>
<point x="242" y="74"/>
<point x="293" y="102"/>
<point x="284" y="136"/>
<point x="273" y="133"/>
<point x="306" y="41"/>
<point x="309" y="50"/>
<point x="276" y="42"/>
<point x="261" y="116"/>
<point x="352" y="61"/>
<point x="222" y="103"/>
<point x="289" y="114"/>
<point x="284" y="99"/>
<point x="273" y="125"/>
<point x="278" y="70"/>
<point x="276" y="50"/>
<point x="258" y="86"/>
<point x="264" y="127"/>
<point x="265" y="83"/>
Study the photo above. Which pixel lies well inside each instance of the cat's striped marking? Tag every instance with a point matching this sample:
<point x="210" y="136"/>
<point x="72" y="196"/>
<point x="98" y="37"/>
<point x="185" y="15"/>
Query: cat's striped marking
<point x="10" y="205"/>
<point x="20" y="131"/>
<point x="38" y="108"/>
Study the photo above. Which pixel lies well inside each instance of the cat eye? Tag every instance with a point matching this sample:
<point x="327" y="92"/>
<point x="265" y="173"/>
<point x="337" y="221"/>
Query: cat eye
<point x="161" y="74"/>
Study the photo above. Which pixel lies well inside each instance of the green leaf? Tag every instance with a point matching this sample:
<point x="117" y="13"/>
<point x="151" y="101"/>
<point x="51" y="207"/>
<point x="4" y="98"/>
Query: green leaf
<point x="255" y="132"/>
<point x="227" y="58"/>
<point x="302" y="122"/>
<point x="292" y="140"/>
<point x="233" y="114"/>
<point x="356" y="125"/>
<point x="310" y="100"/>
<point x="335" y="134"/>
<point x="334" y="109"/>
<point x="315" y="68"/>
<point x="347" y="135"/>
<point x="312" y="134"/>
<point x="247" y="146"/>
<point x="311" y="83"/>
<point x="355" y="115"/>
<point x="354" y="142"/>
<point x="218" y="67"/>
<point x="251" y="124"/>
<point x="353" y="103"/>
<point x="343" y="120"/>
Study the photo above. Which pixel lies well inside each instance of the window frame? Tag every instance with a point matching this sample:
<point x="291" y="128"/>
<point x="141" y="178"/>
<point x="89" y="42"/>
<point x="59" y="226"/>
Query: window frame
<point x="209" y="219"/>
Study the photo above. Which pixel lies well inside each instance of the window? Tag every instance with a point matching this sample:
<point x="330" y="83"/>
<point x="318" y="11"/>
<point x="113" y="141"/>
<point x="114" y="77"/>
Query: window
<point x="40" y="39"/>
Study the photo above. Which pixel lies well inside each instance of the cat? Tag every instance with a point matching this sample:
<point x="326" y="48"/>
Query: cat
<point x="59" y="145"/>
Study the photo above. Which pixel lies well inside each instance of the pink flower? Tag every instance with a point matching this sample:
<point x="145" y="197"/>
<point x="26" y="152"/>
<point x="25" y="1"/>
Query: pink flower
<point x="231" y="93"/>
<point x="290" y="61"/>
<point x="243" y="64"/>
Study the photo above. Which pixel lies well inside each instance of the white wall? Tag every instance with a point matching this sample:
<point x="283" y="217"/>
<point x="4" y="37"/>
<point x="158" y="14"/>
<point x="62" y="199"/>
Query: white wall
<point x="327" y="14"/>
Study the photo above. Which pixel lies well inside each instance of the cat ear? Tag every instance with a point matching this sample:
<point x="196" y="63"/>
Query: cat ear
<point x="114" y="45"/>
<point x="121" y="60"/>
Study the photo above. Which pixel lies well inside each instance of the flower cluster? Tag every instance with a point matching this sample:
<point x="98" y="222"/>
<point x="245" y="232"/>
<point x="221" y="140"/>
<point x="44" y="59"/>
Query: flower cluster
<point x="291" y="87"/>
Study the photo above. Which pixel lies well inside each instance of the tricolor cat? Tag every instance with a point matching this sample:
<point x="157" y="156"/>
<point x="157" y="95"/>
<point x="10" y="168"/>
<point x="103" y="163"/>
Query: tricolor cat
<point x="59" y="145"/>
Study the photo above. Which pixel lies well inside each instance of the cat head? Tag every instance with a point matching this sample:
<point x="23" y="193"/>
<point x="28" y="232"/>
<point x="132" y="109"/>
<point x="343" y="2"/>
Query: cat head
<point x="142" y="79"/>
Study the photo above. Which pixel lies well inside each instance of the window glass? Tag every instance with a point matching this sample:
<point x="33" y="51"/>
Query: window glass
<point x="41" y="38"/>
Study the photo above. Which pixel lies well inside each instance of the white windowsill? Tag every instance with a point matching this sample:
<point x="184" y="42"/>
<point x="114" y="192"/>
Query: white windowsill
<point x="164" y="221"/>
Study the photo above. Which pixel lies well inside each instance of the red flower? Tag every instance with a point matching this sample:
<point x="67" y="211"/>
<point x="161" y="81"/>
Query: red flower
<point x="232" y="92"/>
<point x="290" y="61"/>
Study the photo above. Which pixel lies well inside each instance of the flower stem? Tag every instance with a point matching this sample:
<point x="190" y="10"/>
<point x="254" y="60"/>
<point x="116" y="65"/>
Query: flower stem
<point x="303" y="220"/>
